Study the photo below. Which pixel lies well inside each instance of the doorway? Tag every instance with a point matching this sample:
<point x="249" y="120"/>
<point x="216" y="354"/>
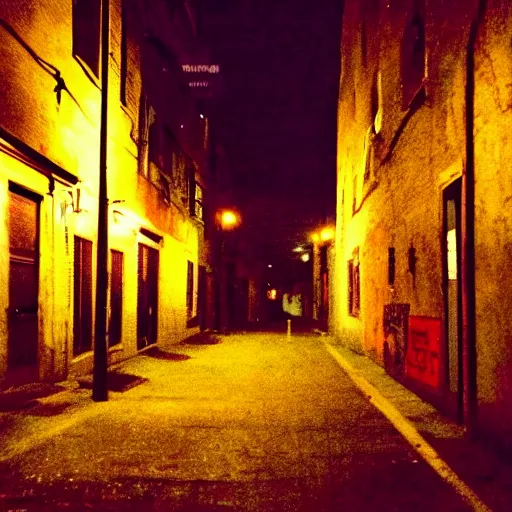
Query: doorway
<point x="22" y="312"/>
<point x="452" y="294"/>
<point x="201" y="297"/>
<point x="147" y="305"/>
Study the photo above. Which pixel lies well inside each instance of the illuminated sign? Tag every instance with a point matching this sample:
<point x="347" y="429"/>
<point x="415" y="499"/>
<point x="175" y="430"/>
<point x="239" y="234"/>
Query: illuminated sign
<point x="203" y="83"/>
<point x="201" y="68"/>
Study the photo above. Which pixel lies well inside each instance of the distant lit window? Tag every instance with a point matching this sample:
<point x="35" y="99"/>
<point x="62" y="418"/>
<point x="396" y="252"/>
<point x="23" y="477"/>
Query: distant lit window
<point x="412" y="59"/>
<point x="86" y="32"/>
<point x="354" y="287"/>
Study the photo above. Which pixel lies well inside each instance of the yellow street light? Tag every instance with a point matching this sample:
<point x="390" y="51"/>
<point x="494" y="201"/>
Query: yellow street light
<point x="229" y="219"/>
<point x="327" y="234"/>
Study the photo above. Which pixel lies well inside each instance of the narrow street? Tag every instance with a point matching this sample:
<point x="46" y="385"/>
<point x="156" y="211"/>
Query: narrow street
<point x="255" y="422"/>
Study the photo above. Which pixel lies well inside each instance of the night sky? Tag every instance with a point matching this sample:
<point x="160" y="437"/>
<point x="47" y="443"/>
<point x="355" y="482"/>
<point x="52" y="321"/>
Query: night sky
<point x="276" y="116"/>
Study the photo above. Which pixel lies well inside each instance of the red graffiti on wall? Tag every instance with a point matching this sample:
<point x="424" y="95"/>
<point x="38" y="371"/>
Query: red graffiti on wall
<point x="424" y="350"/>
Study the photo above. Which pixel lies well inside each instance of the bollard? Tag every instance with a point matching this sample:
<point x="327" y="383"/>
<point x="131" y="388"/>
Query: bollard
<point x="288" y="327"/>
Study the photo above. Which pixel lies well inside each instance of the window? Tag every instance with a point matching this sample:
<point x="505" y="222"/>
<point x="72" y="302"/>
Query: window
<point x="86" y="32"/>
<point x="116" y="298"/>
<point x="190" y="290"/>
<point x="196" y="199"/>
<point x="353" y="286"/>
<point x="145" y="120"/>
<point x="82" y="285"/>
<point x="149" y="141"/>
<point x="124" y="55"/>
<point x="412" y="59"/>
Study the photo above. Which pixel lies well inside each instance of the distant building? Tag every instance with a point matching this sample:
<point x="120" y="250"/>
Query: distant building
<point x="424" y="224"/>
<point x="159" y="184"/>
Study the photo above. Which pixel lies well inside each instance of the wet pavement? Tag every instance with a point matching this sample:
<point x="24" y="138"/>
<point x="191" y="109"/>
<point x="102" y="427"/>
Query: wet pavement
<point x="257" y="422"/>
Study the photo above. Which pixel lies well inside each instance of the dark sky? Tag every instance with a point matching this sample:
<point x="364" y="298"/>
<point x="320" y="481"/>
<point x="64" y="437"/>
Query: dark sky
<point x="276" y="117"/>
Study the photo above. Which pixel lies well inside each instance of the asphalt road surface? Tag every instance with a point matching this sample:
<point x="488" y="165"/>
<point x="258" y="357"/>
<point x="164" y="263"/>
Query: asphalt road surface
<point x="258" y="422"/>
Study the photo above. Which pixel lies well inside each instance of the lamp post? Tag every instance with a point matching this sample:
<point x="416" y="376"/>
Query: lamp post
<point x="99" y="382"/>
<point x="226" y="220"/>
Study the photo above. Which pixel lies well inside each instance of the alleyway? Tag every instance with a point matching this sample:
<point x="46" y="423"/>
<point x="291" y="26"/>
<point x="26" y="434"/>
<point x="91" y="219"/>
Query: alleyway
<point x="257" y="422"/>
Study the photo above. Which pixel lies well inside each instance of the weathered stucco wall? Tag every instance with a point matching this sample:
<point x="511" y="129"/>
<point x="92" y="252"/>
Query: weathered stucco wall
<point x="493" y="220"/>
<point x="67" y="133"/>
<point x="417" y="155"/>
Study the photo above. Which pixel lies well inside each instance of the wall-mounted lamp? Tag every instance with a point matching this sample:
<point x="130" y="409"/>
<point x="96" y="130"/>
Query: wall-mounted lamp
<point x="327" y="233"/>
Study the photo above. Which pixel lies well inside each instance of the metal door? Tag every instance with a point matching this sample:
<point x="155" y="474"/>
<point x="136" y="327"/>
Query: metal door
<point x="22" y="362"/>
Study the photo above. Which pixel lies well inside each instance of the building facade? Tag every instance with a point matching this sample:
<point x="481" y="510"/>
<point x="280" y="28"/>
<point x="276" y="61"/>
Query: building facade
<point x="423" y="228"/>
<point x="158" y="172"/>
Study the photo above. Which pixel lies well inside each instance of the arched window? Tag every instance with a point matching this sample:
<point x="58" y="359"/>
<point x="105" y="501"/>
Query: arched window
<point x="412" y="59"/>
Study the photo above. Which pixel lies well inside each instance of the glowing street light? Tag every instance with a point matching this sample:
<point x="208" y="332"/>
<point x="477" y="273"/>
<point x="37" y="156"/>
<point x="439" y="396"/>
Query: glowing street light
<point x="327" y="234"/>
<point x="229" y="219"/>
<point x="305" y="257"/>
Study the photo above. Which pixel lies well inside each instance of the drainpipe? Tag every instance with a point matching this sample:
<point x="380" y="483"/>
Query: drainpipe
<point x="469" y="367"/>
<point x="99" y="382"/>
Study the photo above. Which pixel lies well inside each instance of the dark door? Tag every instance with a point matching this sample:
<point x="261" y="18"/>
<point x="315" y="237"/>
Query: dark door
<point x="201" y="297"/>
<point x="452" y="293"/>
<point x="116" y="298"/>
<point x="147" y="307"/>
<point x="22" y="362"/>
<point x="82" y="286"/>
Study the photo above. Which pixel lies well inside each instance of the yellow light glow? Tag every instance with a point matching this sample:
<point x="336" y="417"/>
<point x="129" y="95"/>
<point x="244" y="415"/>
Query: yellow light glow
<point x="327" y="234"/>
<point x="305" y="257"/>
<point x="272" y="294"/>
<point x="315" y="237"/>
<point x="229" y="219"/>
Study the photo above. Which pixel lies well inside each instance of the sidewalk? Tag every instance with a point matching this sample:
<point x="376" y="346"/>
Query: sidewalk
<point x="488" y="473"/>
<point x="193" y="423"/>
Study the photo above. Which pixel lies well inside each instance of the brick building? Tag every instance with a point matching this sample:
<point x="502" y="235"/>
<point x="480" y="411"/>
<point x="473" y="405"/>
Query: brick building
<point x="159" y="176"/>
<point x="423" y="223"/>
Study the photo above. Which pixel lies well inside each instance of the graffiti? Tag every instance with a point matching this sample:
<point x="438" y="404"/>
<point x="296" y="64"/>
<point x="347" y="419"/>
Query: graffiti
<point x="396" y="318"/>
<point x="423" y="352"/>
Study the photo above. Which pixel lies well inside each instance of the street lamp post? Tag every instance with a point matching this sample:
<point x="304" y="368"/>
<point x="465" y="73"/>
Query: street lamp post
<point x="226" y="220"/>
<point x="99" y="382"/>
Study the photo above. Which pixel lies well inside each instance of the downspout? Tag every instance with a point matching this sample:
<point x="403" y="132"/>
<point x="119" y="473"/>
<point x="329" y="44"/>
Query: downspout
<point x="469" y="366"/>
